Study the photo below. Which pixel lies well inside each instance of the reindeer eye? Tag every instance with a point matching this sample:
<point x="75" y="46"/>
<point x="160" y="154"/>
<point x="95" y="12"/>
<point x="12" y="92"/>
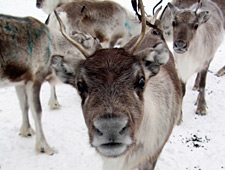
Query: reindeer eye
<point x="80" y="87"/>
<point x="141" y="83"/>
<point x="196" y="26"/>
<point x="155" y="32"/>
<point x="173" y="24"/>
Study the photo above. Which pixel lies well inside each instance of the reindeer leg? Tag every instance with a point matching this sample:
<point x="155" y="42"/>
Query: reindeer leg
<point x="26" y="129"/>
<point x="33" y="94"/>
<point x="221" y="72"/>
<point x="201" y="103"/>
<point x="197" y="81"/>
<point x="53" y="101"/>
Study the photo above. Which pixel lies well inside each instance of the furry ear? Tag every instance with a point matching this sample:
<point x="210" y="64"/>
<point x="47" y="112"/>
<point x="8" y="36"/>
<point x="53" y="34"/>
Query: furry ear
<point x="64" y="70"/>
<point x="154" y="57"/>
<point x="172" y="8"/>
<point x="203" y="17"/>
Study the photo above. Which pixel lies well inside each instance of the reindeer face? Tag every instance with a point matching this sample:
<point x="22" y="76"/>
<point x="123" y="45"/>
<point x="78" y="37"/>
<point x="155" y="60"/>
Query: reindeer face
<point x="185" y="25"/>
<point x="111" y="85"/>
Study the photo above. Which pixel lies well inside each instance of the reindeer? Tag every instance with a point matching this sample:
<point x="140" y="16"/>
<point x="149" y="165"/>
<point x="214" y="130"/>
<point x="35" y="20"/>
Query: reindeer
<point x="196" y="37"/>
<point x="26" y="48"/>
<point x="131" y="98"/>
<point x="181" y="4"/>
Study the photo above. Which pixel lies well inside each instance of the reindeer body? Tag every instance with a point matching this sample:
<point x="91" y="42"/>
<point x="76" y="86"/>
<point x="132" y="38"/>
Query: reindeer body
<point x="26" y="47"/>
<point x="196" y="38"/>
<point x="105" y="20"/>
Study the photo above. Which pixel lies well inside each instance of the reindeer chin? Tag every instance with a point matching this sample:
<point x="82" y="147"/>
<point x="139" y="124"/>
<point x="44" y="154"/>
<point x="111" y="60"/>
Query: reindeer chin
<point x="179" y="50"/>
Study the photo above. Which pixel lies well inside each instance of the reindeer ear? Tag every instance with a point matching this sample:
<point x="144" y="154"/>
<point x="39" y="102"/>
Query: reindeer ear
<point x="154" y="57"/>
<point x="64" y="70"/>
<point x="172" y="8"/>
<point x="203" y="17"/>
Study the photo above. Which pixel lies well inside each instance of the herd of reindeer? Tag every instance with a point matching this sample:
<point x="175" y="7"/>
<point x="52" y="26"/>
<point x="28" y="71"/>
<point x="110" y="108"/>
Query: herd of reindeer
<point x="131" y="85"/>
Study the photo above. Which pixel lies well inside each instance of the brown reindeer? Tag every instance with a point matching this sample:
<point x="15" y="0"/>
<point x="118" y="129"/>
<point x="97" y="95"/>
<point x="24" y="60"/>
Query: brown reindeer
<point x="196" y="37"/>
<point x="131" y="99"/>
<point x="26" y="48"/>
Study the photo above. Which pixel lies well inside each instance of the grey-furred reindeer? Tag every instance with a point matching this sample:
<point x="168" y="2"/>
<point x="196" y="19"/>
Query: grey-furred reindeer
<point x="131" y="99"/>
<point x="197" y="33"/>
<point x="26" y="48"/>
<point x="182" y="4"/>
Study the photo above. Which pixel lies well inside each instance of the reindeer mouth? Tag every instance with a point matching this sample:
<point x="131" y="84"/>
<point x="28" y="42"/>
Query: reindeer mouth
<point x="112" y="149"/>
<point x="180" y="50"/>
<point x="180" y="47"/>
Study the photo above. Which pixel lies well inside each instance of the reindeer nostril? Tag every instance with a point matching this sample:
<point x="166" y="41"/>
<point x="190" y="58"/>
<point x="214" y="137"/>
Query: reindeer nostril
<point x="112" y="140"/>
<point x="180" y="44"/>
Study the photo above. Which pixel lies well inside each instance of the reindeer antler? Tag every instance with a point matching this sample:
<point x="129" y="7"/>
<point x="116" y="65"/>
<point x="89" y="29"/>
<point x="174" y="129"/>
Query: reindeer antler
<point x="155" y="15"/>
<point x="143" y="20"/>
<point x="153" y="11"/>
<point x="76" y="44"/>
<point x="199" y="5"/>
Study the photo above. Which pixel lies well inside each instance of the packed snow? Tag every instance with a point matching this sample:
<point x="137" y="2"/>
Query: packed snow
<point x="197" y="144"/>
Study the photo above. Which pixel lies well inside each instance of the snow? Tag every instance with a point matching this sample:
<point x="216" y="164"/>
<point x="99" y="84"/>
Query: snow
<point x="197" y="144"/>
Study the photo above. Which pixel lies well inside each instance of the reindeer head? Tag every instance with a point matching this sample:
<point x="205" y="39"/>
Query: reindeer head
<point x="185" y="24"/>
<point x="111" y="83"/>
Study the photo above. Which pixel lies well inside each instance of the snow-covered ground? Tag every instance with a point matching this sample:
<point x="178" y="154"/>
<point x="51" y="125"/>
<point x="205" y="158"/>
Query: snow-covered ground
<point x="197" y="144"/>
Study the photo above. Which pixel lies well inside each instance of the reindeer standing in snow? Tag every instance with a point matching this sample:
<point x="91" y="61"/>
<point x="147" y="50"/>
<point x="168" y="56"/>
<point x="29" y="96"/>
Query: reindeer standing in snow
<point x="197" y="33"/>
<point x="182" y="4"/>
<point x="131" y="98"/>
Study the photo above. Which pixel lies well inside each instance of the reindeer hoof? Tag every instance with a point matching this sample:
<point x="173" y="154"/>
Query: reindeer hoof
<point x="46" y="149"/>
<point x="201" y="112"/>
<point x="195" y="88"/>
<point x="42" y="150"/>
<point x="26" y="132"/>
<point x="221" y="72"/>
<point x="54" y="105"/>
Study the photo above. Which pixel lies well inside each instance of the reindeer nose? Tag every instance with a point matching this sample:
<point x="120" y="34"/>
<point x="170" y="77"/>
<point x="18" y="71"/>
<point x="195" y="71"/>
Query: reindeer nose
<point x="180" y="44"/>
<point x="110" y="128"/>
